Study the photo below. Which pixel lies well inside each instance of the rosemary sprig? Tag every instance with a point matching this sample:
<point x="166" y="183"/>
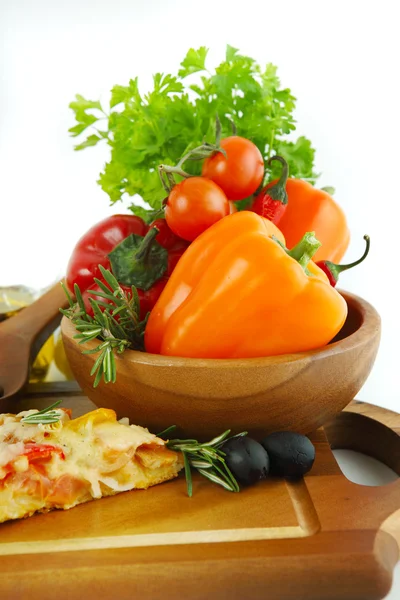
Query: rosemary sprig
<point x="207" y="458"/>
<point x="46" y="415"/>
<point x="115" y="334"/>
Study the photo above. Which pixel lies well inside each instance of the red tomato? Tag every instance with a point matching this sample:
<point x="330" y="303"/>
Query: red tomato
<point x="241" y="172"/>
<point x="194" y="205"/>
<point x="41" y="451"/>
<point x="94" y="246"/>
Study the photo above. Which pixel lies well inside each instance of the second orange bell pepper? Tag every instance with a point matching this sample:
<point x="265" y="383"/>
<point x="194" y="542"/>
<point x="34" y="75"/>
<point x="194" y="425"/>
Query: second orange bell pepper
<point x="311" y="209"/>
<point x="237" y="292"/>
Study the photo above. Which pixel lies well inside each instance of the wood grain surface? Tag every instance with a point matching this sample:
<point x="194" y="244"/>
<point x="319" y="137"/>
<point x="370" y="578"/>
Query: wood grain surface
<point x="299" y="391"/>
<point x="321" y="537"/>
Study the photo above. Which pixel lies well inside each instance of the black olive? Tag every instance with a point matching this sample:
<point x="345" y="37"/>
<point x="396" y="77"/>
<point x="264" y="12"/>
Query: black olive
<point x="247" y="459"/>
<point x="291" y="454"/>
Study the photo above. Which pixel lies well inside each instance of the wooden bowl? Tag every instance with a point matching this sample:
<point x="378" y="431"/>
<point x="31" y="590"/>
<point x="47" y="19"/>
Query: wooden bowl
<point x="204" y="397"/>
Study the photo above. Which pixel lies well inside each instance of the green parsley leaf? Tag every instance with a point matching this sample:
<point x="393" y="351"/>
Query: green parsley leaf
<point x="90" y="141"/>
<point x="120" y="93"/>
<point x="230" y="53"/>
<point x="84" y="119"/>
<point x="193" y="62"/>
<point x="81" y="104"/>
<point x="173" y="117"/>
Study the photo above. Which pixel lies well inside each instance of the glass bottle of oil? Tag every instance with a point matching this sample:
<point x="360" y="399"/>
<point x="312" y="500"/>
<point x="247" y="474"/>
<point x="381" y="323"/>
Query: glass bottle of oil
<point x="12" y="300"/>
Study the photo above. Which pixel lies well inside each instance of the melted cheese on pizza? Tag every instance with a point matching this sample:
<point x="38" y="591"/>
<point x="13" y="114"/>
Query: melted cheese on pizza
<point x="69" y="462"/>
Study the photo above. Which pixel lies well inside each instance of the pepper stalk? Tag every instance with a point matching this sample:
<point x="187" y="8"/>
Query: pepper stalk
<point x="304" y="250"/>
<point x="139" y="261"/>
<point x="333" y="270"/>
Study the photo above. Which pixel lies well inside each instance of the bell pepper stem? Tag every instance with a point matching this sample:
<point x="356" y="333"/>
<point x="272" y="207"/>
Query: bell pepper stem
<point x="305" y="249"/>
<point x="139" y="261"/>
<point x="145" y="246"/>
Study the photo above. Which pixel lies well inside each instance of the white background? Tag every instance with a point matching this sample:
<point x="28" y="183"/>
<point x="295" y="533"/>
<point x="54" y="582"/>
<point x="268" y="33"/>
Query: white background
<point x="340" y="60"/>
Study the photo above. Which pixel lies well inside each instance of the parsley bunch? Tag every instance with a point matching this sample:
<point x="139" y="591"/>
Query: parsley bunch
<point x="161" y="126"/>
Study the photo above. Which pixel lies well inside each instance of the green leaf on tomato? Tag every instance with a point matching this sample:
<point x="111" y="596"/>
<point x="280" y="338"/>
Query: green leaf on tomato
<point x="135" y="262"/>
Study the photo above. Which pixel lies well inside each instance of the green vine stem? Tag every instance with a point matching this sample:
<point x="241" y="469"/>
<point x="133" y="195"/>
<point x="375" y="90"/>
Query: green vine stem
<point x="205" y="150"/>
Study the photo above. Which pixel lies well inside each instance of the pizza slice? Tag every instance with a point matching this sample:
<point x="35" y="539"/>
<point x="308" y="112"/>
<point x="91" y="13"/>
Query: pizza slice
<point x="59" y="462"/>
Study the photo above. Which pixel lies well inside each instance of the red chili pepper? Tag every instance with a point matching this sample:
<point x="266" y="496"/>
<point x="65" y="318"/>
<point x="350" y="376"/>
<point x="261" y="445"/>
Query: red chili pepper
<point x="41" y="451"/>
<point x="271" y="202"/>
<point x="333" y="271"/>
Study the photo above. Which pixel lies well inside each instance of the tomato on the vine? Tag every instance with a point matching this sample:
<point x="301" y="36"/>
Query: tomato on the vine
<point x="239" y="173"/>
<point x="194" y="205"/>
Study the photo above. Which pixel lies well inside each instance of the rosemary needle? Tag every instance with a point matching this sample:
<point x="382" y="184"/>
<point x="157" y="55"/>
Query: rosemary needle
<point x="207" y="458"/>
<point x="44" y="416"/>
<point x="115" y="323"/>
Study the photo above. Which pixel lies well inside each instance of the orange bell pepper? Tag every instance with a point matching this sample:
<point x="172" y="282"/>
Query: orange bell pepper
<point x="237" y="292"/>
<point x="311" y="209"/>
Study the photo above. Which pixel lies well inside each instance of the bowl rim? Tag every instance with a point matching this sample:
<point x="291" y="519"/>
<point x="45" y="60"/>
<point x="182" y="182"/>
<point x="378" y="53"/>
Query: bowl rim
<point x="370" y="326"/>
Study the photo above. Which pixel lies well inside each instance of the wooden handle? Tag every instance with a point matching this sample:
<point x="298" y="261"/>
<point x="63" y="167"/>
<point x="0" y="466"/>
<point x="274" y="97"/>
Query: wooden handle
<point x="22" y="336"/>
<point x="374" y="431"/>
<point x="369" y="429"/>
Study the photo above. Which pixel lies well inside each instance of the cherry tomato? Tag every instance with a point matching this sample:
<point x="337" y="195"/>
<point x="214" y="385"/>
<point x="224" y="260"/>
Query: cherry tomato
<point x="165" y="237"/>
<point x="194" y="205"/>
<point x="241" y="172"/>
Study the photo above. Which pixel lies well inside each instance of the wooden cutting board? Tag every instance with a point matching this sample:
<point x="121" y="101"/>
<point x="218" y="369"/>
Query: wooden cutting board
<point x="318" y="538"/>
